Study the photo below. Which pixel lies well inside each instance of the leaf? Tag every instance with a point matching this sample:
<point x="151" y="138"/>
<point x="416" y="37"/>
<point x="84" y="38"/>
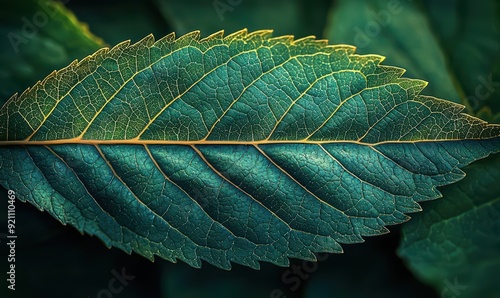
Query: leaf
<point x="242" y="148"/>
<point x="401" y="31"/>
<point x="38" y="37"/>
<point x="456" y="241"/>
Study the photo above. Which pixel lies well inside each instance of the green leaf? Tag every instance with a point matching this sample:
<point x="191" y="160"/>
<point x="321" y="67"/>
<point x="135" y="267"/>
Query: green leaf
<point x="470" y="36"/>
<point x="457" y="239"/>
<point x="242" y="148"/>
<point x="37" y="38"/>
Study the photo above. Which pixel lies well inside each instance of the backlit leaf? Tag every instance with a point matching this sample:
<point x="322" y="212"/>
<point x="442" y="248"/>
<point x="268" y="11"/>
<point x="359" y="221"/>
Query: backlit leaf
<point x="242" y="148"/>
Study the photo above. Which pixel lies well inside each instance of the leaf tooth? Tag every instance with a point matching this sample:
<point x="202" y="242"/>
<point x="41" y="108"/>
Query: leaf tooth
<point x="189" y="37"/>
<point x="98" y="55"/>
<point x="145" y="253"/>
<point x="196" y="262"/>
<point x="414" y="85"/>
<point x="236" y="35"/>
<point x="147" y="41"/>
<point x="348" y="49"/>
<point x="23" y="94"/>
<point x="398" y="71"/>
<point x="89" y="62"/>
<point x="222" y="264"/>
<point x="405" y="217"/>
<point x="260" y="34"/>
<point x="305" y="40"/>
<point x="408" y="206"/>
<point x="14" y="97"/>
<point x="321" y="42"/>
<point x="328" y="244"/>
<point x="144" y="43"/>
<point x="310" y="256"/>
<point x="287" y="39"/>
<point x="281" y="261"/>
<point x="169" y="38"/>
<point x="219" y="35"/>
<point x="119" y="48"/>
<point x="376" y="232"/>
<point x="53" y="73"/>
<point x="384" y="75"/>
<point x="252" y="263"/>
<point x="364" y="59"/>
<point x="164" y="255"/>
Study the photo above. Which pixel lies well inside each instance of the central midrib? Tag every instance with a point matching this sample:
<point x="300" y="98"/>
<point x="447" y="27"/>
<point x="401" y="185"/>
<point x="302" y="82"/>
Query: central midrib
<point x="218" y="142"/>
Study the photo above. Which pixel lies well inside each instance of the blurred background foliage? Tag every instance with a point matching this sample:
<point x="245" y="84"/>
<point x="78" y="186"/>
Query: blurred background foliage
<point x="451" y="248"/>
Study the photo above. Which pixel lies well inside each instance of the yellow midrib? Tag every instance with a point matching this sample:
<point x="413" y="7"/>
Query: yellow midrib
<point x="213" y="142"/>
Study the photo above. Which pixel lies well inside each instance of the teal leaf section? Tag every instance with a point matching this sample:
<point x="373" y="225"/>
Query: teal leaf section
<point x="242" y="148"/>
<point x="456" y="241"/>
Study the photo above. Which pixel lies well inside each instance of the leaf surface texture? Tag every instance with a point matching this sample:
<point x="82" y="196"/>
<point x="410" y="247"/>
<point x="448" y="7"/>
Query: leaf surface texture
<point x="241" y="148"/>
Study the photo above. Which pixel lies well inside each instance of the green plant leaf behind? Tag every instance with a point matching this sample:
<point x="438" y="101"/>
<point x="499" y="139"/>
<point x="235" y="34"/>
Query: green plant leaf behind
<point x="399" y="30"/>
<point x="297" y="17"/>
<point x="456" y="241"/>
<point x="242" y="148"/>
<point x="121" y="20"/>
<point x="470" y="35"/>
<point x="38" y="37"/>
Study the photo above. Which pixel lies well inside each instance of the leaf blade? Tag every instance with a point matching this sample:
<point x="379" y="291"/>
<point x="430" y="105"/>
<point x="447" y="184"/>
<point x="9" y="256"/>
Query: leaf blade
<point x="328" y="148"/>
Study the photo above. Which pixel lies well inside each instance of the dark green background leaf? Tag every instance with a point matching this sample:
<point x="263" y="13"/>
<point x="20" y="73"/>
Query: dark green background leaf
<point x="458" y="238"/>
<point x="400" y="31"/>
<point x="470" y="35"/>
<point x="38" y="37"/>
<point x="117" y="21"/>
